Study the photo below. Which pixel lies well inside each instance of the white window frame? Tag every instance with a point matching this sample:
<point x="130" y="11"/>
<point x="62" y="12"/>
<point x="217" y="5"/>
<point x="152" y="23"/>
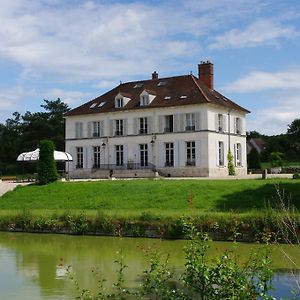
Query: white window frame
<point x="238" y="155"/>
<point x="144" y="101"/>
<point x="190" y="122"/>
<point x="169" y="154"/>
<point x="119" y="149"/>
<point x="96" y="156"/>
<point x="220" y="123"/>
<point x="237" y="125"/>
<point x="143" y="125"/>
<point x="119" y="127"/>
<point x="144" y="155"/>
<point x="221" y="154"/>
<point x="79" y="157"/>
<point x="119" y="102"/>
<point x="190" y="147"/>
<point x="96" y="129"/>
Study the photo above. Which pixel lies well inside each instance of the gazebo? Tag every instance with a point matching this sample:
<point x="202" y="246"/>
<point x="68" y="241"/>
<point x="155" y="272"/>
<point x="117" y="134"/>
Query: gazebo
<point x="33" y="156"/>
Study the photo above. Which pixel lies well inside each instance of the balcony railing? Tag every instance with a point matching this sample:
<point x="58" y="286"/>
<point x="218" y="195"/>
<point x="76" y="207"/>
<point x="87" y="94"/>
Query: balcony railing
<point x="168" y="129"/>
<point x="190" y="163"/>
<point x="118" y="132"/>
<point x="169" y="164"/>
<point x="190" y="128"/>
<point x="96" y="134"/>
<point x="143" y="131"/>
<point x="125" y="166"/>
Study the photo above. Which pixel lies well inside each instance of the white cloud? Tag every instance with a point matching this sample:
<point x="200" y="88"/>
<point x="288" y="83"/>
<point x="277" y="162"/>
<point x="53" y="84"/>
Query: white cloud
<point x="10" y="98"/>
<point x="259" y="81"/>
<point x="260" y="32"/>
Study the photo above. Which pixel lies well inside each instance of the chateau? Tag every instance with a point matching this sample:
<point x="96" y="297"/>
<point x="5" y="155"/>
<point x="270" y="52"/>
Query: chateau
<point x="176" y="126"/>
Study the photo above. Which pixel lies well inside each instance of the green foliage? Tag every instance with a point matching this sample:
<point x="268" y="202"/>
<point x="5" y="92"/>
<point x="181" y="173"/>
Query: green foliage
<point x="230" y="165"/>
<point x="276" y="159"/>
<point x="254" y="160"/>
<point x="296" y="176"/>
<point x="46" y="165"/>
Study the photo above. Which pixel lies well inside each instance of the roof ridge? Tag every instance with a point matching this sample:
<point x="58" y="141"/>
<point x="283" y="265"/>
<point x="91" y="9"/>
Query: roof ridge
<point x="200" y="89"/>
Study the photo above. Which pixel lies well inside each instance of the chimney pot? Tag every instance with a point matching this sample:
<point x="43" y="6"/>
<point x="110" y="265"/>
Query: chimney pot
<point x="206" y="73"/>
<point x="154" y="75"/>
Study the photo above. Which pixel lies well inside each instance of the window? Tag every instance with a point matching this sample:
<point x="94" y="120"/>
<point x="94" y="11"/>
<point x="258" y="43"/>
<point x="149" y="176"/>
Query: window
<point x="144" y="100"/>
<point x="78" y="130"/>
<point x="119" y="102"/>
<point x="79" y="157"/>
<point x="144" y="155"/>
<point x="169" y="154"/>
<point x="168" y="123"/>
<point x="190" y="153"/>
<point x="96" y="151"/>
<point x="220" y="123"/>
<point x="221" y="153"/>
<point x="93" y="105"/>
<point x="190" y="122"/>
<point x="119" y="155"/>
<point x="237" y="125"/>
<point x="119" y="127"/>
<point x="238" y="155"/>
<point x="96" y="129"/>
<point x="143" y="125"/>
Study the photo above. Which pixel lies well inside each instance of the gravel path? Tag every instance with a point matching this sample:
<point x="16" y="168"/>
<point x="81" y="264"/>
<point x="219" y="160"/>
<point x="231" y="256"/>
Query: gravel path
<point x="8" y="186"/>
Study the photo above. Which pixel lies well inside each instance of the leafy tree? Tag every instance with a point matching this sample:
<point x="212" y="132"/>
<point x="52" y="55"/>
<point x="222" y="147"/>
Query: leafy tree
<point x="276" y="159"/>
<point x="254" y="160"/>
<point x="231" y="168"/>
<point x="46" y="165"/>
<point x="293" y="133"/>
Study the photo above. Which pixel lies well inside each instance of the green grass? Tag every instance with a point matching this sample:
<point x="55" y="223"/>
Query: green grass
<point x="163" y="197"/>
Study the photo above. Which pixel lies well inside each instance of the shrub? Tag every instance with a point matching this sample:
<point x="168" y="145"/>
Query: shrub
<point x="47" y="171"/>
<point x="296" y="176"/>
<point x="231" y="169"/>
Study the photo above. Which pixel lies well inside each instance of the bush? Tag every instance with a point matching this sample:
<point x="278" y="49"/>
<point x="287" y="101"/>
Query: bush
<point x="231" y="169"/>
<point x="296" y="176"/>
<point x="47" y="171"/>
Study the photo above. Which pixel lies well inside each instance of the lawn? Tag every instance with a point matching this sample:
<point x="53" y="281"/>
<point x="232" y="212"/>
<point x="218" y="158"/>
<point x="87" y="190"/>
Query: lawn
<point x="164" y="197"/>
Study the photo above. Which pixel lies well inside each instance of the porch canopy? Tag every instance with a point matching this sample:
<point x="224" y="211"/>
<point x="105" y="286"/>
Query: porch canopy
<point x="34" y="156"/>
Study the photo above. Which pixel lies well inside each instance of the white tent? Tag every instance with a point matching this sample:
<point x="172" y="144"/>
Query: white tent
<point x="35" y="155"/>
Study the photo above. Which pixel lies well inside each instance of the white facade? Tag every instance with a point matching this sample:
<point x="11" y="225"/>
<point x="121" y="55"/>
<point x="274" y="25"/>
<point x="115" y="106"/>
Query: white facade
<point x="186" y="140"/>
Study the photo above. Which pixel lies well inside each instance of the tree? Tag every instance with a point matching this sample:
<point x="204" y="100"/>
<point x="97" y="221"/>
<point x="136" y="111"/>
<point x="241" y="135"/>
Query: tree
<point x="276" y="159"/>
<point x="47" y="171"/>
<point x="293" y="133"/>
<point x="231" y="168"/>
<point x="254" y="159"/>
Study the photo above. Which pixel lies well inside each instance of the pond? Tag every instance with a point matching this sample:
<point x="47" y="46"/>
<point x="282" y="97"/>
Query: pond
<point x="32" y="266"/>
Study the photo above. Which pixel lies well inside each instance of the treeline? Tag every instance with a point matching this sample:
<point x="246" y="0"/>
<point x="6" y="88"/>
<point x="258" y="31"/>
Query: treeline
<point x="22" y="133"/>
<point x="279" y="149"/>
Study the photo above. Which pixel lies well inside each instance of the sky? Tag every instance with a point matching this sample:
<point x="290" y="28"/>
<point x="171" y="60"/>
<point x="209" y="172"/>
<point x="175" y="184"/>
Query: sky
<point x="77" y="50"/>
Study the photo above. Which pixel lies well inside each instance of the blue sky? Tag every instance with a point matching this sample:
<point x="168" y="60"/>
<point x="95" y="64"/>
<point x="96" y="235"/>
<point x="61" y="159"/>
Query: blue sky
<point x="77" y="50"/>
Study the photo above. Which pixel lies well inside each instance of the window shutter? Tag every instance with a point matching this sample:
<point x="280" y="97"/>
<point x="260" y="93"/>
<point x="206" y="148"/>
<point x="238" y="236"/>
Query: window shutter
<point x="241" y="126"/>
<point x="217" y="122"/>
<point x="217" y="153"/>
<point x="176" y="122"/>
<point x="89" y="129"/>
<point x="76" y="130"/>
<point x="125" y="127"/>
<point x="101" y="128"/>
<point x="224" y="125"/>
<point x="160" y="124"/>
<point x="149" y="123"/>
<point x="197" y="121"/>
<point x="112" y="128"/>
<point x="235" y="154"/>
<point x="136" y="126"/>
<point x="182" y="122"/>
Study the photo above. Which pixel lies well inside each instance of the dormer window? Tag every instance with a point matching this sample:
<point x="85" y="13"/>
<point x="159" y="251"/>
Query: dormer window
<point x="122" y="99"/>
<point x="144" y="100"/>
<point x="119" y="102"/>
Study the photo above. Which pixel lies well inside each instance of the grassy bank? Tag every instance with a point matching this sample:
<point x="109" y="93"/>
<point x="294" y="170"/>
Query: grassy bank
<point x="150" y="207"/>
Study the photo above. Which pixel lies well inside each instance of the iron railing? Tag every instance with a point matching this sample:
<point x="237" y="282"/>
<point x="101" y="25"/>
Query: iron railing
<point x="125" y="166"/>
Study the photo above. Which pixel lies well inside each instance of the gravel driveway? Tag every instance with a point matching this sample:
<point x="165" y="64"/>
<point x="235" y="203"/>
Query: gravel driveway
<point x="8" y="186"/>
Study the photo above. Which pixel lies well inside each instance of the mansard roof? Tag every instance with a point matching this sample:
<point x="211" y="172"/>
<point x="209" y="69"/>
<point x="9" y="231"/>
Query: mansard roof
<point x="169" y="92"/>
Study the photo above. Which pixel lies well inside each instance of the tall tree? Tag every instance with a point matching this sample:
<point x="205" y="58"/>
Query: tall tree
<point x="293" y="133"/>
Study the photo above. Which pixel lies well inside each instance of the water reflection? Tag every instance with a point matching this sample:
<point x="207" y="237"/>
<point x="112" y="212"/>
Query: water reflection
<point x="32" y="266"/>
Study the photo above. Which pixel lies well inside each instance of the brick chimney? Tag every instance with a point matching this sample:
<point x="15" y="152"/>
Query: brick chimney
<point x="206" y="73"/>
<point x="154" y="75"/>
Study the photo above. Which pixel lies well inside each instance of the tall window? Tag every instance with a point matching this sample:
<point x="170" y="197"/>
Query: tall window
<point x="144" y="100"/>
<point x="79" y="157"/>
<point x="237" y="125"/>
<point x="119" y="127"/>
<point x="190" y="153"/>
<point x="119" y="102"/>
<point x="143" y="125"/>
<point x="144" y="155"/>
<point x="238" y="155"/>
<point x="78" y="130"/>
<point x="169" y="154"/>
<point x="220" y="123"/>
<point x="190" y="122"/>
<point x="119" y="155"/>
<point x="96" y="129"/>
<point x="168" y="123"/>
<point x="221" y="153"/>
<point x="96" y="151"/>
